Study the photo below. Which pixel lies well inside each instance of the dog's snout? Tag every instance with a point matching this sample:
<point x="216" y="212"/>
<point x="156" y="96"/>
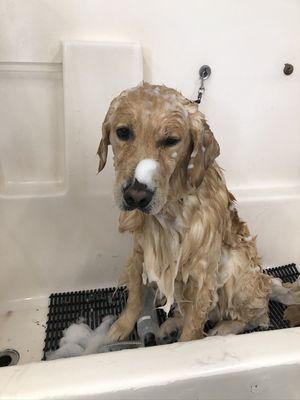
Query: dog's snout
<point x="137" y="195"/>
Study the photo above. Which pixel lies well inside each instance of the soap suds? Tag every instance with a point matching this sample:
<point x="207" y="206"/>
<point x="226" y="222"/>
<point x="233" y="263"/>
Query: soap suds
<point x="80" y="339"/>
<point x="174" y="155"/>
<point x="190" y="166"/>
<point x="232" y="207"/>
<point x="194" y="153"/>
<point x="145" y="170"/>
<point x="224" y="257"/>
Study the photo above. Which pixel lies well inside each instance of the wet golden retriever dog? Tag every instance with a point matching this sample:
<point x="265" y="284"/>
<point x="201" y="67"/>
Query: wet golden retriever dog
<point x="188" y="237"/>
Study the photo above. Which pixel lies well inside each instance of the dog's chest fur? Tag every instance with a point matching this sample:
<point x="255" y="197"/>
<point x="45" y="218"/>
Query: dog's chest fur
<point x="183" y="240"/>
<point x="161" y="240"/>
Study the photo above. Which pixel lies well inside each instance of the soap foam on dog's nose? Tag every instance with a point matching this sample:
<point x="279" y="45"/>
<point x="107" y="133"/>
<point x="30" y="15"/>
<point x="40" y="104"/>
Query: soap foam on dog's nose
<point x="145" y="170"/>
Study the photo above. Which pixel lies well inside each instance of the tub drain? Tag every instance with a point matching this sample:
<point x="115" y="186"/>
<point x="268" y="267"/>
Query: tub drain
<point x="9" y="357"/>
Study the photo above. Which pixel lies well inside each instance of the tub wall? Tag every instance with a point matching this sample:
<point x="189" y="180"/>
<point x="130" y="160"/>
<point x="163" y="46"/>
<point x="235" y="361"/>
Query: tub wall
<point x="59" y="230"/>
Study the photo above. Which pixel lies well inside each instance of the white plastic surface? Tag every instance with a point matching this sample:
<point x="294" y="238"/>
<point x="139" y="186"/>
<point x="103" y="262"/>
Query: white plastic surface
<point x="232" y="367"/>
<point x="251" y="105"/>
<point x="63" y="241"/>
<point x="58" y="227"/>
<point x="32" y="131"/>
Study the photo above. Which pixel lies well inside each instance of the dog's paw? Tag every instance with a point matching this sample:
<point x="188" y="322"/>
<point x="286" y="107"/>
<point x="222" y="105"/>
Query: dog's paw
<point x="120" y="330"/>
<point x="292" y="315"/>
<point x="169" y="331"/>
<point x="224" y="328"/>
<point x="186" y="336"/>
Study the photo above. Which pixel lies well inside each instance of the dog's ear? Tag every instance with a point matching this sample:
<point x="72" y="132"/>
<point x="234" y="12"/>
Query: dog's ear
<point x="205" y="148"/>
<point x="103" y="146"/>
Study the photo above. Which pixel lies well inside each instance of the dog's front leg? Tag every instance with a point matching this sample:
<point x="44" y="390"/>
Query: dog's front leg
<point x="196" y="309"/>
<point x="124" y="325"/>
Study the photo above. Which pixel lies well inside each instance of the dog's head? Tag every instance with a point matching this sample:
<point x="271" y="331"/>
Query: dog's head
<point x="159" y="138"/>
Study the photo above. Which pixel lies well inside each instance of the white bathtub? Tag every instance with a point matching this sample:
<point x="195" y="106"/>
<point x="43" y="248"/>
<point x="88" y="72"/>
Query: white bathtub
<point x="58" y="228"/>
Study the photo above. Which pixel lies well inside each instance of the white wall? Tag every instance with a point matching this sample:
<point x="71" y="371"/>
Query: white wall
<point x="251" y="105"/>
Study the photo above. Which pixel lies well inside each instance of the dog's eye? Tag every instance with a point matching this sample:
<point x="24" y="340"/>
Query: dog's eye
<point x="169" y="141"/>
<point x="123" y="133"/>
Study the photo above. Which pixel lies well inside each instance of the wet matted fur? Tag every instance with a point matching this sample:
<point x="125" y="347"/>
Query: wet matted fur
<point x="190" y="240"/>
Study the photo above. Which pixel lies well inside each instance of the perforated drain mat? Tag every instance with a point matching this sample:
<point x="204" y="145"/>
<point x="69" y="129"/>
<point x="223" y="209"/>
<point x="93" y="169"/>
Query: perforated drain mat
<point x="93" y="305"/>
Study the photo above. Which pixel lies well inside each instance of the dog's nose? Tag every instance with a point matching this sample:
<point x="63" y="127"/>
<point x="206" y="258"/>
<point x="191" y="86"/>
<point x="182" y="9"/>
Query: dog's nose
<point x="137" y="195"/>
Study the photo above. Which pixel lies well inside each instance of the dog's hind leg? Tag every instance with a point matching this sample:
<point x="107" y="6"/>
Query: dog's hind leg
<point x="292" y="314"/>
<point x="224" y="328"/>
<point x="288" y="294"/>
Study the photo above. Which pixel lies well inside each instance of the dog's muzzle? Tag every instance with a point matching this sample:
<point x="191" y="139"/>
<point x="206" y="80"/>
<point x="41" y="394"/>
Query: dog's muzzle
<point x="137" y="195"/>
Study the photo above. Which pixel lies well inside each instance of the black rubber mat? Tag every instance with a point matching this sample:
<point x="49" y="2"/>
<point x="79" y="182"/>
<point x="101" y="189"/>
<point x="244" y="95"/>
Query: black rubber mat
<point x="93" y="305"/>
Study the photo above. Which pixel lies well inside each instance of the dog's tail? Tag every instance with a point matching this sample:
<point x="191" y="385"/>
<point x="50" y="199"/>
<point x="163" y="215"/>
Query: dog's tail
<point x="285" y="293"/>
